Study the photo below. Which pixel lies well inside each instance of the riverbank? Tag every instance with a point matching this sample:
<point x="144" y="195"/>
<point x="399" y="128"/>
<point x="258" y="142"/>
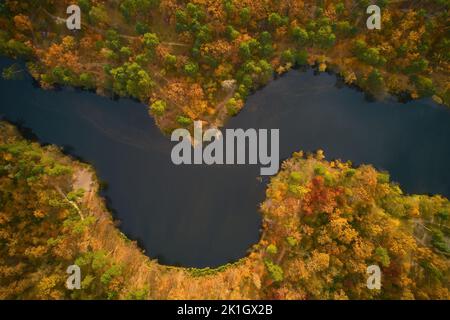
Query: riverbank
<point x="147" y="274"/>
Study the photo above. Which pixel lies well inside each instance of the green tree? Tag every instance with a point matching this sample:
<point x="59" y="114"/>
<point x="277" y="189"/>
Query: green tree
<point x="63" y="76"/>
<point x="275" y="271"/>
<point x="125" y="52"/>
<point x="245" y="16"/>
<point x="150" y="41"/>
<point x="301" y="57"/>
<point x="275" y="20"/>
<point x="191" y="69"/>
<point x="340" y="8"/>
<point x="87" y="81"/>
<point x="424" y="86"/>
<point x="375" y="82"/>
<point x="170" y="60"/>
<point x="130" y="79"/>
<point x="265" y="38"/>
<point x="229" y="8"/>
<point x="231" y="33"/>
<point x="85" y="5"/>
<point x="158" y="107"/>
<point x="300" y="35"/>
<point x="344" y="28"/>
<point x="324" y="37"/>
<point x="184" y="121"/>
<point x="287" y="56"/>
<point x="232" y="107"/>
<point x="382" y="256"/>
<point x="17" y="49"/>
<point x="417" y="66"/>
<point x="132" y="8"/>
<point x="141" y="28"/>
<point x="98" y="15"/>
<point x="272" y="249"/>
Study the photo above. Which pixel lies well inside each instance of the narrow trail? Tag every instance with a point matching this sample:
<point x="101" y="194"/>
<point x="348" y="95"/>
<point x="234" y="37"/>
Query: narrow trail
<point x="72" y="203"/>
<point x="60" y="20"/>
<point x="220" y="107"/>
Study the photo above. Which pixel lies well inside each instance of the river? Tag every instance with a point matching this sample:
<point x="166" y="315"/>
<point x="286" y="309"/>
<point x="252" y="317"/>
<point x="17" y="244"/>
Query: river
<point x="198" y="215"/>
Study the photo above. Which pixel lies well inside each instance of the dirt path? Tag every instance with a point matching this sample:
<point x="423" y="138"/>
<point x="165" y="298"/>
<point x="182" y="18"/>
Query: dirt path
<point x="221" y="110"/>
<point x="102" y="32"/>
<point x="83" y="180"/>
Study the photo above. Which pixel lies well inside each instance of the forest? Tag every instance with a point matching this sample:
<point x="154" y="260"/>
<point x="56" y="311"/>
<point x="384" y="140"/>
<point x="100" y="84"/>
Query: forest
<point x="324" y="222"/>
<point x="199" y="60"/>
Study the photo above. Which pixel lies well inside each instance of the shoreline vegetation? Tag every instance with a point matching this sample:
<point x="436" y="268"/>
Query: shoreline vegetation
<point x="200" y="60"/>
<point x="324" y="222"/>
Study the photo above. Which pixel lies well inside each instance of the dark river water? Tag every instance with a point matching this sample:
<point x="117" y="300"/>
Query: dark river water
<point x="197" y="215"/>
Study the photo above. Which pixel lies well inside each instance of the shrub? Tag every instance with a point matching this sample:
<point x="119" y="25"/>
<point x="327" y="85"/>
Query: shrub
<point x="275" y="271"/>
<point x="158" y="107"/>
<point x="272" y="249"/>
<point x="184" y="121"/>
